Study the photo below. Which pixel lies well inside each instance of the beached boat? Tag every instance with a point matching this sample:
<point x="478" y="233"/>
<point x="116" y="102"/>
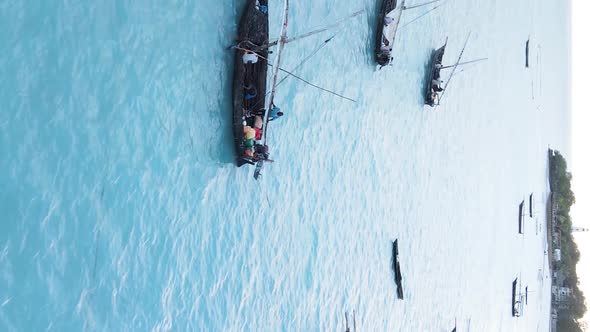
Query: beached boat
<point x="249" y="86"/>
<point x="433" y="75"/>
<point x="396" y="270"/>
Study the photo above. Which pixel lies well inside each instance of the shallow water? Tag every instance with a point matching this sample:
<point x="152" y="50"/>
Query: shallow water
<point x="121" y="209"/>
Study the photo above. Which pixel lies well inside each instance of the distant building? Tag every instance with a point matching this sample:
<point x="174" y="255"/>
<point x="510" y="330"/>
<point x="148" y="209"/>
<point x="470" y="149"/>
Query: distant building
<point x="562" y="294"/>
<point x="557" y="255"/>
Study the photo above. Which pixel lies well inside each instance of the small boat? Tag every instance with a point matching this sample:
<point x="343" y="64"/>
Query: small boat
<point x="396" y="270"/>
<point x="387" y="26"/>
<point x="347" y="328"/>
<point x="249" y="86"/>
<point x="531" y="205"/>
<point x="521" y="217"/>
<point x="434" y="91"/>
<point x="434" y="66"/>
<point x="514" y="309"/>
<point x="527" y="53"/>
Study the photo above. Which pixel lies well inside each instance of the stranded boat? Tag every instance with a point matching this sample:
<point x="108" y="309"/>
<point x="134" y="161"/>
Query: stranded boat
<point x="396" y="270"/>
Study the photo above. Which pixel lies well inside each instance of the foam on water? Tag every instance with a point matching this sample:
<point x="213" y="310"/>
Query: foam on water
<point x="121" y="209"/>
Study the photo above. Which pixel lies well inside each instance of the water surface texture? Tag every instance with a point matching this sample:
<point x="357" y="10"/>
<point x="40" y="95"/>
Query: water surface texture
<point x="121" y="209"/>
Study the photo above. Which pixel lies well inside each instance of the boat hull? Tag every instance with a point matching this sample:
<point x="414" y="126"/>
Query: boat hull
<point x="253" y="36"/>
<point x="396" y="270"/>
<point x="381" y="57"/>
<point x="433" y="73"/>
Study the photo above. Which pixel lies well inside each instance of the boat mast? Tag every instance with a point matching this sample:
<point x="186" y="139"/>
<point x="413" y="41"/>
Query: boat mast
<point x="276" y="68"/>
<point x="454" y="68"/>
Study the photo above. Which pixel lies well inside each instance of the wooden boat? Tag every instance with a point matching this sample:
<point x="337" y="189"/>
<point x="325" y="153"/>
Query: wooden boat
<point x="520" y="217"/>
<point x="387" y="25"/>
<point x="347" y="328"/>
<point x="433" y="73"/>
<point x="397" y="270"/>
<point x="515" y="312"/>
<point x="527" y="53"/>
<point x="252" y="37"/>
<point x="433" y="94"/>
<point x="531" y="204"/>
<point x="250" y="120"/>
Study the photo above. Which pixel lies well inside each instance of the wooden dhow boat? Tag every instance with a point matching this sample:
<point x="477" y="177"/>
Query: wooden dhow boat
<point x="397" y="273"/>
<point x="249" y="86"/>
<point x="251" y="109"/>
<point x="388" y="24"/>
<point x="434" y="89"/>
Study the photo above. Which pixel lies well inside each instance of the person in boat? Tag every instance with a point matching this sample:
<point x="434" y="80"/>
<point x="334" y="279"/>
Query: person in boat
<point x="261" y="7"/>
<point x="250" y="92"/>
<point x="437" y="85"/>
<point x="261" y="151"/>
<point x="249" y="57"/>
<point x="274" y="114"/>
<point x="387" y="20"/>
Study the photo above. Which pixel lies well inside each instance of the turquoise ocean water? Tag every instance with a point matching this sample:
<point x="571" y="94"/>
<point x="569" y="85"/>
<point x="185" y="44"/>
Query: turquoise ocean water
<point x="121" y="209"/>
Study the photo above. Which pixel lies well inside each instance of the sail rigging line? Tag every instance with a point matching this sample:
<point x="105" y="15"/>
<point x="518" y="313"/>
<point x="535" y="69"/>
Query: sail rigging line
<point x="320" y="30"/>
<point x="454" y="69"/>
<point x="316" y="86"/>
<point x="420" y="5"/>
<point x="304" y="35"/>
<point x="464" y="63"/>
<point x="299" y="78"/>
<point x="417" y="18"/>
<point x="324" y="43"/>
